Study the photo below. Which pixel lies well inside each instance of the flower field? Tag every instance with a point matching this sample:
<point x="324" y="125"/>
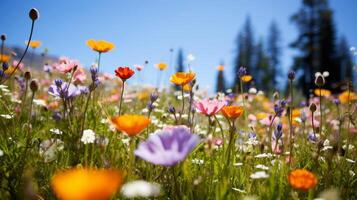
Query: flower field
<point x="75" y="133"/>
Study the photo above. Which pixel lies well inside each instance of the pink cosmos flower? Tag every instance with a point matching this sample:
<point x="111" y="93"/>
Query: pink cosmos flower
<point x="79" y="75"/>
<point x="66" y="65"/>
<point x="16" y="62"/>
<point x="209" y="107"/>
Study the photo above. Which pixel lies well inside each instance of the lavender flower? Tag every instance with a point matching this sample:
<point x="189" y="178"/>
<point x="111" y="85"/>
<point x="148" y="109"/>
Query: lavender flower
<point x="278" y="132"/>
<point x="168" y="147"/>
<point x="312" y="137"/>
<point x="56" y="116"/>
<point x="242" y="71"/>
<point x="5" y="66"/>
<point x="153" y="97"/>
<point x="279" y="108"/>
<point x="64" y="91"/>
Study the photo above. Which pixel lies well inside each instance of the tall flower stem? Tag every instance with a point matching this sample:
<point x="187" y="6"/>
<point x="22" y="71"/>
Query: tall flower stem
<point x="183" y="103"/>
<point x="121" y="97"/>
<point x="321" y="124"/>
<point x="230" y="143"/>
<point x="99" y="56"/>
<point x="176" y="185"/>
<point x="220" y="128"/>
<point x="349" y="119"/>
<point x="23" y="55"/>
<point x="269" y="133"/>
<point x="291" y="119"/>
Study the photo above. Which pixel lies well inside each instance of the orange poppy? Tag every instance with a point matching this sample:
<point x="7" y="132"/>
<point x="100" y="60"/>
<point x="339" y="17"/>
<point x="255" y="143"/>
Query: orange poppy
<point x="324" y="92"/>
<point x="296" y="112"/>
<point x="246" y="78"/>
<point x="124" y="73"/>
<point x="345" y="98"/>
<point x="302" y="179"/>
<point x="131" y="124"/>
<point x="100" y="46"/>
<point x="187" y="87"/>
<point x="4" y="58"/>
<point x="34" y="44"/>
<point x="85" y="184"/>
<point x="220" y="68"/>
<point x="182" y="78"/>
<point x="161" y="66"/>
<point x="232" y="112"/>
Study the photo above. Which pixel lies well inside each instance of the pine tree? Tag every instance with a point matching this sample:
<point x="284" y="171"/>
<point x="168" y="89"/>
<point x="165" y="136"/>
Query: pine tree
<point x="263" y="74"/>
<point x="345" y="60"/>
<point x="274" y="52"/>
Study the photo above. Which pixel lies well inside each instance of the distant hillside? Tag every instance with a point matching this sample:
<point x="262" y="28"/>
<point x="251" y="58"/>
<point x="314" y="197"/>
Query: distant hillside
<point x="35" y="59"/>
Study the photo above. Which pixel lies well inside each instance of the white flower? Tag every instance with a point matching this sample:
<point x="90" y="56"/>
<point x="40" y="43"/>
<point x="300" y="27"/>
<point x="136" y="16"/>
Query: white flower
<point x="197" y="161"/>
<point x="238" y="164"/>
<point x="259" y="175"/>
<point x="239" y="190"/>
<point x="49" y="149"/>
<point x="253" y="90"/>
<point x="264" y="155"/>
<point x="88" y="136"/>
<point x="56" y="131"/>
<point x="7" y="116"/>
<point x="263" y="167"/>
<point x="325" y="74"/>
<point x="140" y="188"/>
<point x="352" y="173"/>
<point x="39" y="102"/>
<point x="350" y="160"/>
<point x="1" y="153"/>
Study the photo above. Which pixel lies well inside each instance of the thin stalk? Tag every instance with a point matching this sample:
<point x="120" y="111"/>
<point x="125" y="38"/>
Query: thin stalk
<point x="121" y="97"/>
<point x="23" y="55"/>
<point x="321" y="124"/>
<point x="291" y="120"/>
<point x="183" y="103"/>
<point x="349" y="120"/>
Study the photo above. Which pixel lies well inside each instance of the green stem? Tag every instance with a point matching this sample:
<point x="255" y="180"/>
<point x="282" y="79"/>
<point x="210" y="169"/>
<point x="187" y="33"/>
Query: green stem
<point x="121" y="97"/>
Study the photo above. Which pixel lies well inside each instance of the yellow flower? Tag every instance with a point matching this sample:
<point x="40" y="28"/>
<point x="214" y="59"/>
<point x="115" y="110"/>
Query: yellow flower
<point x="161" y="66"/>
<point x="246" y="78"/>
<point x="187" y="87"/>
<point x="143" y="95"/>
<point x="34" y="44"/>
<point x="100" y="46"/>
<point x="10" y="70"/>
<point x="86" y="184"/>
<point x="4" y="58"/>
<point x="182" y="78"/>
<point x="261" y="115"/>
<point x="296" y="112"/>
<point x="324" y="92"/>
<point x="220" y="68"/>
<point x="131" y="125"/>
<point x="345" y="98"/>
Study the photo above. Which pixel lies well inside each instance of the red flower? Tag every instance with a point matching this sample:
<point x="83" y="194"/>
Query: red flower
<point x="124" y="73"/>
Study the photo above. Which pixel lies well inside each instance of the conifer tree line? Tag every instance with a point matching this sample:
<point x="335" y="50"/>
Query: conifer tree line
<point x="318" y="45"/>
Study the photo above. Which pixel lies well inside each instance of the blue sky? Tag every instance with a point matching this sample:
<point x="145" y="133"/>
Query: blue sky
<point x="147" y="29"/>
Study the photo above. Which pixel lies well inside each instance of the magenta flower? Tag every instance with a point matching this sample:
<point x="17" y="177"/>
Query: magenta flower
<point x="168" y="146"/>
<point x="209" y="107"/>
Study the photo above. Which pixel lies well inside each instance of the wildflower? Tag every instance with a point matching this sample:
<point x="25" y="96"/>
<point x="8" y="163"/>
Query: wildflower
<point x="161" y="66"/>
<point x="312" y="107"/>
<point x="7" y="116"/>
<point x="182" y="78"/>
<point x="319" y="80"/>
<point x="168" y="147"/>
<point x="140" y="188"/>
<point x="263" y="167"/>
<point x="34" y="44"/>
<point x="56" y="131"/>
<point x="50" y="148"/>
<point x="124" y="73"/>
<point x="232" y="112"/>
<point x="345" y="98"/>
<point x="88" y="136"/>
<point x="246" y="78"/>
<point x="171" y="109"/>
<point x="3" y="37"/>
<point x="66" y="65"/>
<point x="131" y="125"/>
<point x="187" y="87"/>
<point x="279" y="108"/>
<point x="84" y="184"/>
<point x="259" y="175"/>
<point x="302" y="179"/>
<point x="4" y="58"/>
<point x="278" y="132"/>
<point x="63" y="90"/>
<point x="322" y="92"/>
<point x="100" y="46"/>
<point x="312" y="137"/>
<point x="138" y="67"/>
<point x="33" y="85"/>
<point x="220" y="68"/>
<point x="242" y="71"/>
<point x="291" y="75"/>
<point x="209" y="107"/>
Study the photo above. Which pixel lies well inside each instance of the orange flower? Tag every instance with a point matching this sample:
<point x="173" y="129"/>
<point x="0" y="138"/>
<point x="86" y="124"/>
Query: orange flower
<point x="131" y="124"/>
<point x="232" y="112"/>
<point x="220" y="68"/>
<point x="4" y="58"/>
<point x="161" y="66"/>
<point x="345" y="98"/>
<point x="296" y="112"/>
<point x="302" y="179"/>
<point x="324" y="92"/>
<point x="100" y="46"/>
<point x="182" y="78"/>
<point x="34" y="44"/>
<point x="124" y="73"/>
<point x="246" y="78"/>
<point x="85" y="184"/>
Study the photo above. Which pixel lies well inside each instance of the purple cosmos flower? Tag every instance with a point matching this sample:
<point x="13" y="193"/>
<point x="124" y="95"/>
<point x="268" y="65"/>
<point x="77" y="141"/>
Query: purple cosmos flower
<point x="168" y="147"/>
<point x="64" y="91"/>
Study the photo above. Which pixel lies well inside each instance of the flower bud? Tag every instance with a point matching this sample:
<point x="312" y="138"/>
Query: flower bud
<point x="320" y="80"/>
<point x="58" y="82"/>
<point x="291" y="75"/>
<point x="5" y="66"/>
<point x="172" y="109"/>
<point x="3" y="37"/>
<point x="34" y="86"/>
<point x="312" y="107"/>
<point x="34" y="14"/>
<point x="27" y="75"/>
